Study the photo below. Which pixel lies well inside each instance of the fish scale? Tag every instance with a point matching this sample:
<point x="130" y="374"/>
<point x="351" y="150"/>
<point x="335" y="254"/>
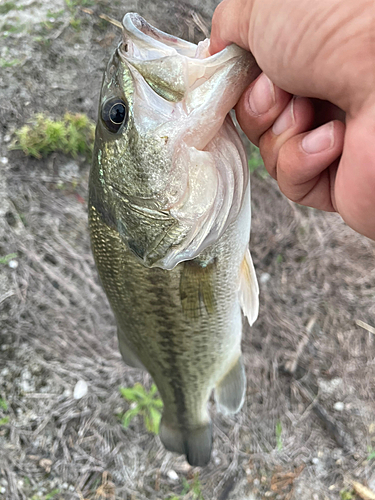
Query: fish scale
<point x="173" y="256"/>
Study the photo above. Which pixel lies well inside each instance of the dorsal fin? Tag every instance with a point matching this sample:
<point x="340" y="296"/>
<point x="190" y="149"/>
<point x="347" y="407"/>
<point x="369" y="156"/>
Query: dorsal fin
<point x="249" y="289"/>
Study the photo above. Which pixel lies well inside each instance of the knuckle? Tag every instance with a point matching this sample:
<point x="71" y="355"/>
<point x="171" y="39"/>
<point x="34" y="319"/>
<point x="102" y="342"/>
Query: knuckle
<point x="269" y="159"/>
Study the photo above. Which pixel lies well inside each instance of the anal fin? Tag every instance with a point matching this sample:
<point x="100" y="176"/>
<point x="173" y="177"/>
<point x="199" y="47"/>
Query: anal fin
<point x="249" y="289"/>
<point x="230" y="391"/>
<point x="126" y="351"/>
<point x="195" y="443"/>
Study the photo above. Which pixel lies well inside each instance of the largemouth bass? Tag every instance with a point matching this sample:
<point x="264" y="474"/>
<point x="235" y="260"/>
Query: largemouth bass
<point x="169" y="216"/>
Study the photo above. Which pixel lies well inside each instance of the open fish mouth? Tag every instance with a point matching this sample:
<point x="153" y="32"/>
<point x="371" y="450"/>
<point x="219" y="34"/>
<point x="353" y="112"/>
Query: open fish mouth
<point x="141" y="32"/>
<point x="170" y="65"/>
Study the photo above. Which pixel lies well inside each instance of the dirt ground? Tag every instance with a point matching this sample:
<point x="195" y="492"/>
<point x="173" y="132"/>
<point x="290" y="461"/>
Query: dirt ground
<point x="307" y="429"/>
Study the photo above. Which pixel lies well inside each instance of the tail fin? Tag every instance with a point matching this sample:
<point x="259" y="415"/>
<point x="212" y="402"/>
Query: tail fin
<point x="195" y="443"/>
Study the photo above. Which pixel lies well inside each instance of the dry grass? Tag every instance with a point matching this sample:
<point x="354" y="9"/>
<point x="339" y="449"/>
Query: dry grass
<point x="305" y="353"/>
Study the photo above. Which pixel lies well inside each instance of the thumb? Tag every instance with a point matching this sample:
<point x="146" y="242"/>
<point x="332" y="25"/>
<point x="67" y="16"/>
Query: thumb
<point x="230" y="24"/>
<point x="355" y="180"/>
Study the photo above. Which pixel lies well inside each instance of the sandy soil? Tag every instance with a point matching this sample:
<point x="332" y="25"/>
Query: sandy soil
<point x="307" y="429"/>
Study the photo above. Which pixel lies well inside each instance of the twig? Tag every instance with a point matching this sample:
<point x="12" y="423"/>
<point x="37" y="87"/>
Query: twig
<point x="200" y="23"/>
<point x="338" y="434"/>
<point x="291" y="366"/>
<point x="365" y="326"/>
<point x="116" y="23"/>
<point x="362" y="491"/>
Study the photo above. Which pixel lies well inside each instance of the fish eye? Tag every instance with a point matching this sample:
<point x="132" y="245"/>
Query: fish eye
<point x="114" y="114"/>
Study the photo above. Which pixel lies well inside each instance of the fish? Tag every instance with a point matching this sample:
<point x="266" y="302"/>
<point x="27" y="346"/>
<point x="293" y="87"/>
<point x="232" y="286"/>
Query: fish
<point x="169" y="222"/>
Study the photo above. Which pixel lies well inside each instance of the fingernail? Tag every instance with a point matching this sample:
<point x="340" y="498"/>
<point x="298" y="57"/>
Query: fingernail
<point x="319" y="139"/>
<point x="262" y="96"/>
<point x="285" y="120"/>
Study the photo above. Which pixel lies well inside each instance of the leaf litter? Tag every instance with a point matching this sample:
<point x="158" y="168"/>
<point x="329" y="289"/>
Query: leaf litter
<point x="311" y="347"/>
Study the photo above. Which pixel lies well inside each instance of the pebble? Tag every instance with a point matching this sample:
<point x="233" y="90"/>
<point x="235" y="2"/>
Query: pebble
<point x="4" y="372"/>
<point x="80" y="389"/>
<point x="264" y="278"/>
<point x="13" y="264"/>
<point x="26" y="386"/>
<point x="315" y="460"/>
<point x="173" y="476"/>
<point x="339" y="406"/>
<point x="67" y="394"/>
<point x="4" y="160"/>
<point x="2" y="489"/>
<point x="26" y="375"/>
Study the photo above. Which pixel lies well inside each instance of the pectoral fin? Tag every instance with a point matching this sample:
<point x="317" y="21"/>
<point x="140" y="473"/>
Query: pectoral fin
<point x="196" y="289"/>
<point x="249" y="289"/>
<point x="230" y="391"/>
<point x="126" y="351"/>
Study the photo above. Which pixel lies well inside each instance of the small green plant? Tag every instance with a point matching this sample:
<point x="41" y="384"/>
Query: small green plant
<point x="145" y="403"/>
<point x="194" y="488"/>
<point x="73" y="135"/>
<point x="371" y="453"/>
<point x="49" y="496"/>
<point x="278" y="432"/>
<point x="73" y="7"/>
<point x="52" y="494"/>
<point x="75" y="23"/>
<point x="5" y="260"/>
<point x="279" y="258"/>
<point x="255" y="163"/>
<point x="55" y="14"/>
<point x="8" y="64"/>
<point x="347" y="495"/>
<point x="6" y="7"/>
<point x="4" y="407"/>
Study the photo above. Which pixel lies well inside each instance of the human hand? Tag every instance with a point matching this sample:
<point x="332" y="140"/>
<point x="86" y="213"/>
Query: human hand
<point x="324" y="52"/>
